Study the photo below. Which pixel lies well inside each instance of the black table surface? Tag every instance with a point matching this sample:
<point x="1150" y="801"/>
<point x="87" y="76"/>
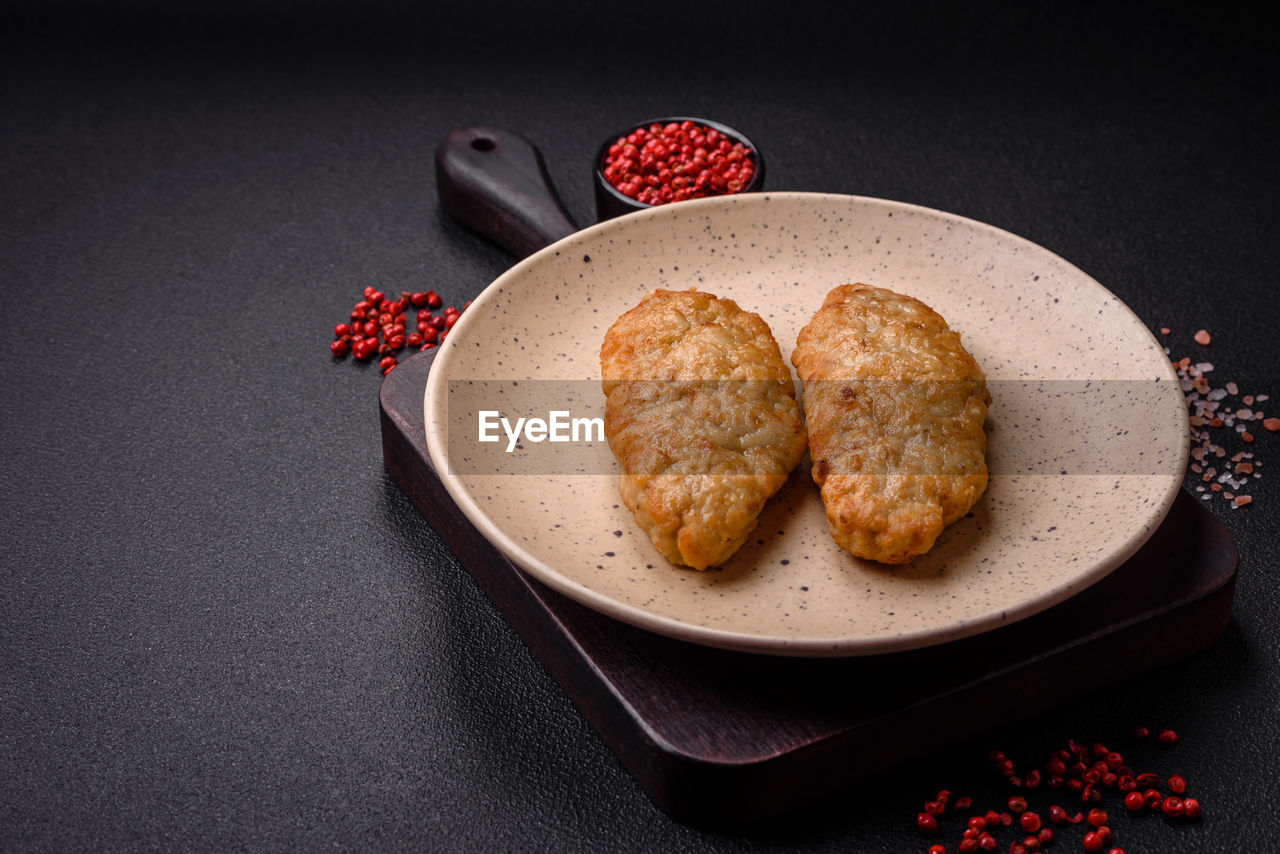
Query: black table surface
<point x="222" y="627"/>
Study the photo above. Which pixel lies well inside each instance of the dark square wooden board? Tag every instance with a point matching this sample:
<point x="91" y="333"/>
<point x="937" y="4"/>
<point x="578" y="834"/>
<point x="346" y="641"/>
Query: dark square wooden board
<point x="722" y="738"/>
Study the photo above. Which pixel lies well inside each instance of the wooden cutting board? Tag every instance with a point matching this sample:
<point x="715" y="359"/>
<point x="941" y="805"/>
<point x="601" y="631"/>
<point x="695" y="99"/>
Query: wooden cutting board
<point x="719" y="738"/>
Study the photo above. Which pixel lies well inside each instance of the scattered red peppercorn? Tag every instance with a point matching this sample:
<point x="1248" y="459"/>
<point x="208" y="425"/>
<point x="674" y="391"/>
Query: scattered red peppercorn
<point x="1086" y="770"/>
<point x="963" y="803"/>
<point x="937" y="849"/>
<point x="967" y="845"/>
<point x="378" y="326"/>
<point x="926" y="823"/>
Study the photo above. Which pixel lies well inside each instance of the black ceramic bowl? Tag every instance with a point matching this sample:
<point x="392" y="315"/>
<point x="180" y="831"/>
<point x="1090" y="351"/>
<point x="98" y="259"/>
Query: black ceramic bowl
<point x="611" y="203"/>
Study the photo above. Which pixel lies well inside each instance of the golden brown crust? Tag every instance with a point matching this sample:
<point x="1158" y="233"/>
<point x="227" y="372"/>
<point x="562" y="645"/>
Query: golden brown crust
<point x="701" y="413"/>
<point x="894" y="407"/>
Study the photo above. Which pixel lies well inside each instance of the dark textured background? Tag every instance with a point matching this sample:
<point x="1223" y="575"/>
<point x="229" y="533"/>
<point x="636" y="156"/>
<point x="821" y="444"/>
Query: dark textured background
<point x="223" y="628"/>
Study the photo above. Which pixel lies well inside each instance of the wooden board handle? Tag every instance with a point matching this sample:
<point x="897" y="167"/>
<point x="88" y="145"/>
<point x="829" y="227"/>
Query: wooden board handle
<point x="496" y="183"/>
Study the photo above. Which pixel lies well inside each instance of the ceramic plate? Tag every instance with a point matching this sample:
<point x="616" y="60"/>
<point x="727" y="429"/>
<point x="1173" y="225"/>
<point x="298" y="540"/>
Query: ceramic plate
<point x="1087" y="428"/>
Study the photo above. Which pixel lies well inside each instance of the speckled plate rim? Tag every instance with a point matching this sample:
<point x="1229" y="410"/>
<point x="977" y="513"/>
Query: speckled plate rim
<point x="435" y="400"/>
